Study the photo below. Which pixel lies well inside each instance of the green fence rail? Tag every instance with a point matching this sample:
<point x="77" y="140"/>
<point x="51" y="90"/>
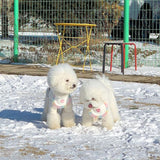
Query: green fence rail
<point x="37" y="35"/>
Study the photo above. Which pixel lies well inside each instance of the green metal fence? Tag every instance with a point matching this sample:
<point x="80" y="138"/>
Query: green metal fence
<point x="38" y="41"/>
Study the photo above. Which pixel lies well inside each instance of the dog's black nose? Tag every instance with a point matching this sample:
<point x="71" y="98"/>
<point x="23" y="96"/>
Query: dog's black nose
<point x="74" y="85"/>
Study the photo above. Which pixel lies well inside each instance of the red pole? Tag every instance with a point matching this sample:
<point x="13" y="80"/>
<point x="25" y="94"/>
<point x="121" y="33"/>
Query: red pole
<point x="135" y="56"/>
<point x="123" y="55"/>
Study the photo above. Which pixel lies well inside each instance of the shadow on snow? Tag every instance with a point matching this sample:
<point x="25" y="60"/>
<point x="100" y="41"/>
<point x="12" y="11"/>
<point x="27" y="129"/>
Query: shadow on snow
<point x="26" y="116"/>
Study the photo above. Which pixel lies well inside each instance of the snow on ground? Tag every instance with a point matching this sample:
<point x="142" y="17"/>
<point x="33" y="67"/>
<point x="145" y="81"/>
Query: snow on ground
<point x="141" y="70"/>
<point x="24" y="136"/>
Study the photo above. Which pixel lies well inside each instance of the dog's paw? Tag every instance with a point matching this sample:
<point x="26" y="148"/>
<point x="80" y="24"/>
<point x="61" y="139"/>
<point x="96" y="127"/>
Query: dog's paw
<point x="55" y="126"/>
<point x="53" y="121"/>
<point x="86" y="124"/>
<point x="117" y="119"/>
<point x="69" y="123"/>
<point x="108" y="127"/>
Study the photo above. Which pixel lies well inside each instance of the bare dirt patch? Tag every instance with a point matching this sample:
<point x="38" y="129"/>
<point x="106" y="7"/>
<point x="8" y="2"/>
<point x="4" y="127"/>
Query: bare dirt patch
<point x="36" y="70"/>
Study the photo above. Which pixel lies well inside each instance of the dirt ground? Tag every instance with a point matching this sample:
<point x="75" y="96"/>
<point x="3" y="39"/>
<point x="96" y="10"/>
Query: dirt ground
<point x="36" y="70"/>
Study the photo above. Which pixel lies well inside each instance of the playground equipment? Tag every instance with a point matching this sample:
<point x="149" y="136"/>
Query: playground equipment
<point x="63" y="39"/>
<point x="122" y="45"/>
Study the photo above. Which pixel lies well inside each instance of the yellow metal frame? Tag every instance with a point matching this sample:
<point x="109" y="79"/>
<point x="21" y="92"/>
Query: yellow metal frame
<point x="86" y="40"/>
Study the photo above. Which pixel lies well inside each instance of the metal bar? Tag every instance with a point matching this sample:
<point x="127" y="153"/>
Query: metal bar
<point x="111" y="58"/>
<point x="75" y="24"/>
<point x="122" y="60"/>
<point x="16" y="11"/>
<point x="104" y="52"/>
<point x="104" y="58"/>
<point x="126" y="29"/>
<point x="124" y="55"/>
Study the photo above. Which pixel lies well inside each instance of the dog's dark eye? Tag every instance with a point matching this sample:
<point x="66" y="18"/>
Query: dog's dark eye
<point x="67" y="80"/>
<point x="93" y="99"/>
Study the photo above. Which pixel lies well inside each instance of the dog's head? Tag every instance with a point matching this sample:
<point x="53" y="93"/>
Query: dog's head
<point x="93" y="94"/>
<point x="62" y="79"/>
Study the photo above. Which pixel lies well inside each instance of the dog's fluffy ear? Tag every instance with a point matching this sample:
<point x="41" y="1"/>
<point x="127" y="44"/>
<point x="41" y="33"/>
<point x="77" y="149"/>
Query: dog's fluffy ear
<point x="51" y="78"/>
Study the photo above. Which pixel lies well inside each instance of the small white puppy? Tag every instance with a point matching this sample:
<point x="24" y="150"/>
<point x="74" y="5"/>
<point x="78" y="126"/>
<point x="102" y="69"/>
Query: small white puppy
<point x="62" y="81"/>
<point x="99" y="102"/>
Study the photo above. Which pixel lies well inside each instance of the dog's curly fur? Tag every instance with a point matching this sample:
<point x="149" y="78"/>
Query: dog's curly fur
<point x="62" y="81"/>
<point x="94" y="94"/>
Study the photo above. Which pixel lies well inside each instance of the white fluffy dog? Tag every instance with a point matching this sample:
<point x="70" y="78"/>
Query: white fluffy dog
<point x="99" y="102"/>
<point x="62" y="81"/>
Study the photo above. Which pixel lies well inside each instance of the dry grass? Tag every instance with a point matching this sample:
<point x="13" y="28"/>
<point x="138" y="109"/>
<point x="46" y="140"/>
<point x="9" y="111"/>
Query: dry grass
<point x="32" y="150"/>
<point x="152" y="157"/>
<point x="3" y="150"/>
<point x="147" y="104"/>
<point x="3" y="136"/>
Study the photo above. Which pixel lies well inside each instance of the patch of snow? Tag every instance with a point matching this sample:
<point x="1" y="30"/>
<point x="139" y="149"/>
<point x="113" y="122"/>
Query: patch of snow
<point x="24" y="136"/>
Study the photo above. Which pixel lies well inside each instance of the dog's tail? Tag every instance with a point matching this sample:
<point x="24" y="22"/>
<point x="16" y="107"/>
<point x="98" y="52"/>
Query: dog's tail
<point x="112" y="99"/>
<point x="103" y="79"/>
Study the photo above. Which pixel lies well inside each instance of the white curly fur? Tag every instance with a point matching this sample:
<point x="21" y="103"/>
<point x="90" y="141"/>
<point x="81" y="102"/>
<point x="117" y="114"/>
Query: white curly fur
<point x="62" y="81"/>
<point x="96" y="93"/>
